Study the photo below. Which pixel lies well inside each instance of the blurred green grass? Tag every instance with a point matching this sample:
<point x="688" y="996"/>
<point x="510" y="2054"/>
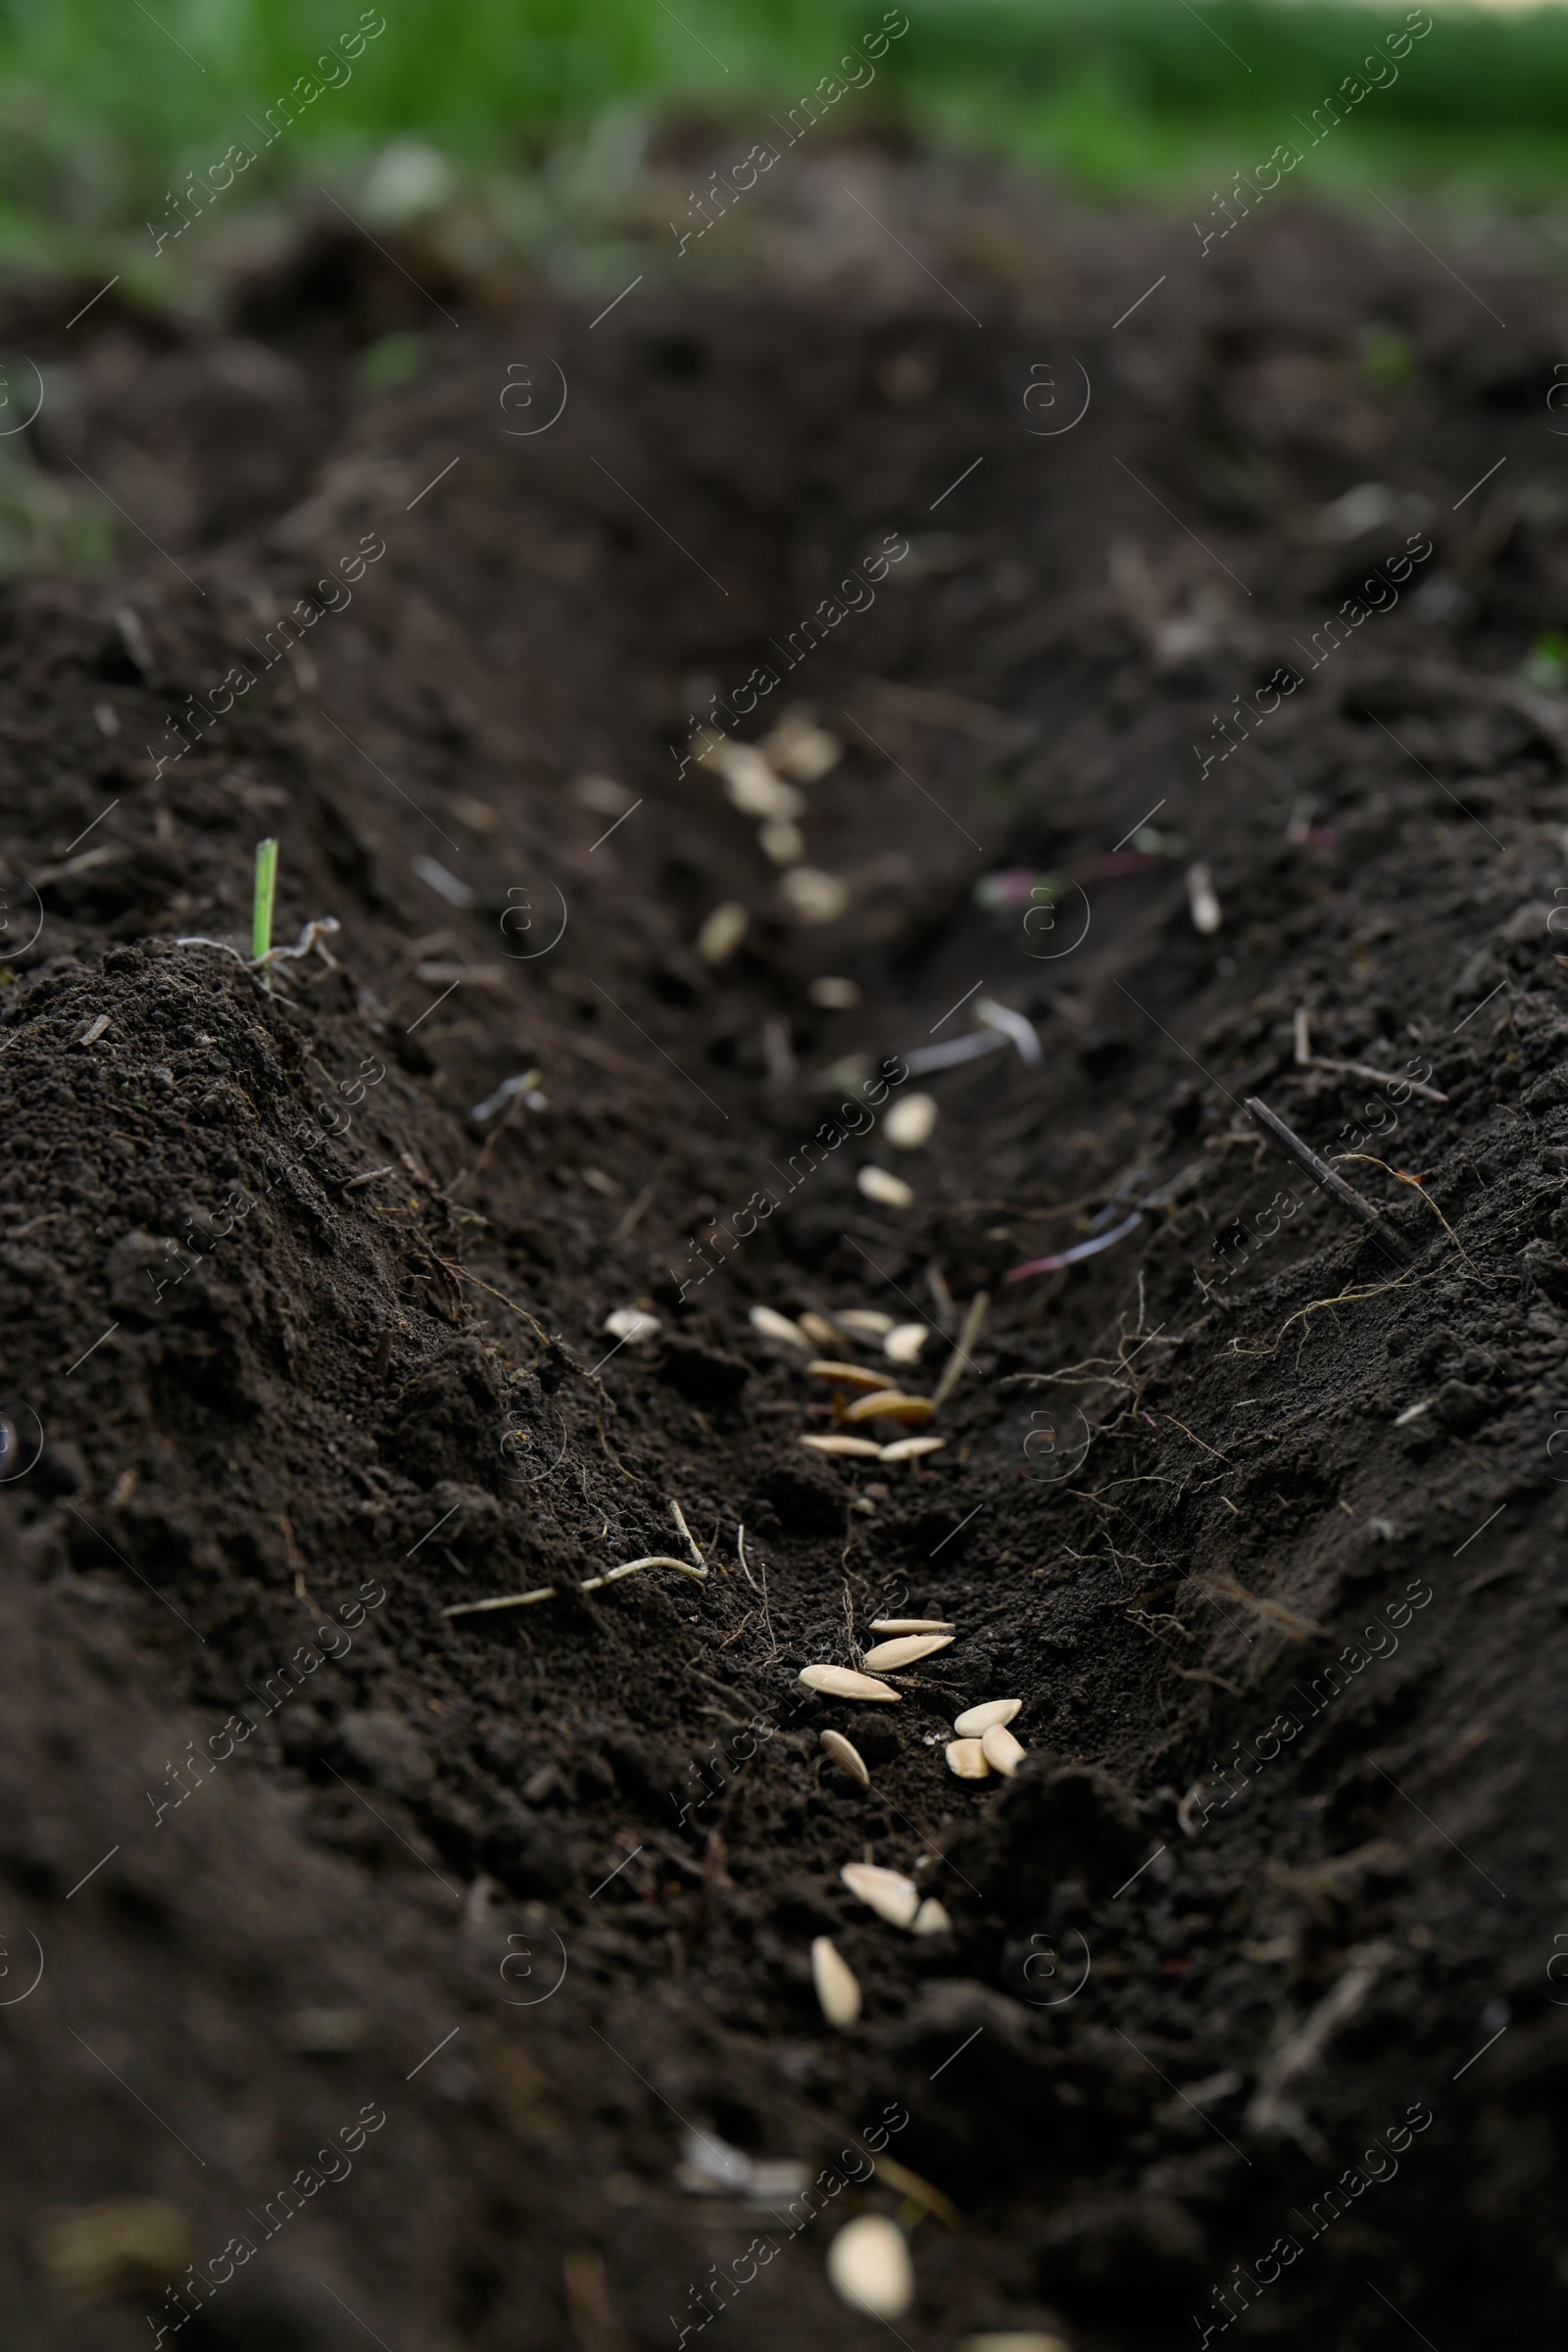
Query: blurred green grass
<point x="105" y="105"/>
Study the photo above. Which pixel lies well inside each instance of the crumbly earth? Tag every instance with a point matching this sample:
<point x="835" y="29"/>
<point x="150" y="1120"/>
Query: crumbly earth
<point x="1256" y="1509"/>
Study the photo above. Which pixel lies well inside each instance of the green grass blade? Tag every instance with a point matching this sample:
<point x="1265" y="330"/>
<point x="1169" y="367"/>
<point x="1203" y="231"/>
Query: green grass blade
<point x="265" y="887"/>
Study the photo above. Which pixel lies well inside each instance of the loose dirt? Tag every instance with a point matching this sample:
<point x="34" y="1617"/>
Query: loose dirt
<point x="1253" y="1508"/>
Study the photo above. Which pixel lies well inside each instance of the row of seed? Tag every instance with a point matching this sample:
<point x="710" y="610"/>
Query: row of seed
<point x="901" y="1344"/>
<point x="984" y="1744"/>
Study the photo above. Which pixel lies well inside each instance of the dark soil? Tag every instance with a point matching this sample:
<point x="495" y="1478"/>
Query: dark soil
<point x="1293" y="1471"/>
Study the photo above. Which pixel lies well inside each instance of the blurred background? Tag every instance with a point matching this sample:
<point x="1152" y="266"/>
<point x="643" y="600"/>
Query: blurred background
<point x="169" y="149"/>
<point x="530" y="115"/>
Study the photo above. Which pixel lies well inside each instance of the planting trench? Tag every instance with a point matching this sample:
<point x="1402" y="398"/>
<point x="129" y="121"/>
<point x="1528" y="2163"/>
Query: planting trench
<point x="538" y="1887"/>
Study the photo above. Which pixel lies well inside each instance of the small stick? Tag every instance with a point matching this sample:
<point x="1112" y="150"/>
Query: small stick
<point x="629" y="1222"/>
<point x="655" y="1559"/>
<point x="959" y="1361"/>
<point x="592" y="1584"/>
<point x="503" y="1600"/>
<point x="1305" y="1158"/>
<point x="680" y="1522"/>
<point x="1306" y="1059"/>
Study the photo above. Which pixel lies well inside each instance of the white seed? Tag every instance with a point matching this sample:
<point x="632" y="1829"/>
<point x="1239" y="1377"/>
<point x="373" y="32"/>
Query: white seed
<point x="1028" y="2339"/>
<point x="931" y="1919"/>
<point x="974" y="1722"/>
<point x="837" y="1991"/>
<point x="1200" y="898"/>
<point x="818" y="1329"/>
<point x="834" y="995"/>
<point x="966" y="1760"/>
<point x="870" y="2269"/>
<point x="912" y="1625"/>
<point x="814" y="897"/>
<point x="904" y="1341"/>
<point x="877" y="1184"/>
<point x="846" y="1756"/>
<point x="909" y="1122"/>
<point x="630" y="1324"/>
<point x="602" y="795"/>
<point x="890" y="1404"/>
<point x="889" y="1656"/>
<point x="799" y="748"/>
<point x="888" y="1892"/>
<point x="783" y="841"/>
<point x="909" y="1449"/>
<point x="750" y="784"/>
<point x="848" y="1376"/>
<point x="773" y="1326"/>
<point x="1002" y="1751"/>
<point x="863" y="1322"/>
<point x="842" y="1681"/>
<point x="722" y="932"/>
<point x="861" y="1448"/>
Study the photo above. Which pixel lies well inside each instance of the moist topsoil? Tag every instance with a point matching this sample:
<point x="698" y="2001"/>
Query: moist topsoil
<point x="446" y="1978"/>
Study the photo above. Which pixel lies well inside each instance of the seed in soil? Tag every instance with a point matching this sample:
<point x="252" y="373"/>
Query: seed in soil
<point x="837" y="1990"/>
<point x="722" y="932"/>
<point x="848" y="1376"/>
<point x="888" y="1656"/>
<point x="818" y="1329"/>
<point x="905" y="1449"/>
<point x="865" y="1323"/>
<point x="878" y="1184"/>
<point x="890" y="1404"/>
<point x="773" y="1326"/>
<point x="1029" y="2339"/>
<point x="912" y="1625"/>
<point x="967" y="1759"/>
<point x="888" y="1892"/>
<point x="909" y="1122"/>
<point x="1201" y="899"/>
<point x="870" y="2269"/>
<point x="846" y="1756"/>
<point x="931" y="1919"/>
<point x="974" y="1722"/>
<point x="814" y="897"/>
<point x="1003" y="1752"/>
<point x="904" y="1341"/>
<point x="630" y="1324"/>
<point x="798" y="747"/>
<point x="833" y="995"/>
<point x="863" y="1448"/>
<point x="842" y="1681"/>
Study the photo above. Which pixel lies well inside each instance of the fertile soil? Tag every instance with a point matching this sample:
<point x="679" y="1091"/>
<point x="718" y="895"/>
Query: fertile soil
<point x="1254" y="1508"/>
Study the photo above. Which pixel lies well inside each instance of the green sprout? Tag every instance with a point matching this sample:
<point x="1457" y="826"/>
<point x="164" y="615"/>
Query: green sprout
<point x="1545" y="666"/>
<point x="265" y="888"/>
